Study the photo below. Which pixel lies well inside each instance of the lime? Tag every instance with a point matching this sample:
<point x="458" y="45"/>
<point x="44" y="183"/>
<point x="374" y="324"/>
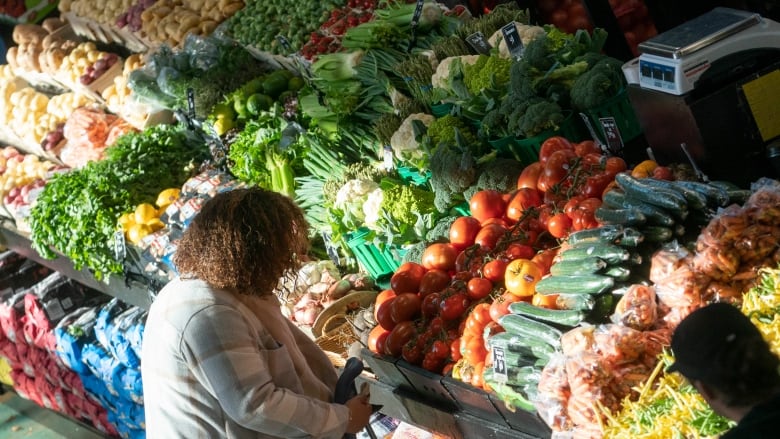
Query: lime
<point x="295" y="83"/>
<point x="258" y="102"/>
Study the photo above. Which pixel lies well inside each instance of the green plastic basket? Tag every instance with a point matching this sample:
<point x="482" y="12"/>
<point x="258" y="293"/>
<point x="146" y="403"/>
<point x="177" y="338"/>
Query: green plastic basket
<point x="526" y="149"/>
<point x="620" y="108"/>
<point x="380" y="264"/>
<point x="413" y="175"/>
<point x="441" y="110"/>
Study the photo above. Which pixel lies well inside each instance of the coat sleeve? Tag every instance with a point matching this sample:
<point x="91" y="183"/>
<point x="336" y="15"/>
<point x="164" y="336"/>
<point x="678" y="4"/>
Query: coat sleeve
<point x="247" y="379"/>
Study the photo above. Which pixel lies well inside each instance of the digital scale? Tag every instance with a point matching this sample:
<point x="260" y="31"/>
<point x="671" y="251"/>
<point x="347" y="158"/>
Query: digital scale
<point x="713" y="85"/>
<point x="674" y="61"/>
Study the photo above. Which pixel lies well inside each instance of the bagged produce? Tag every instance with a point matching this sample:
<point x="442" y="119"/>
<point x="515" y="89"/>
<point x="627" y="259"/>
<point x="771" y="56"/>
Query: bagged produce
<point x="72" y="333"/>
<point x="103" y="366"/>
<point x="104" y="326"/>
<point x="119" y="345"/>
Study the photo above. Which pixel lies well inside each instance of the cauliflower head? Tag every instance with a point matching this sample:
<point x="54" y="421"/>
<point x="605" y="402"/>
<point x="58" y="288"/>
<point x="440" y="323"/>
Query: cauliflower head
<point x="405" y="145"/>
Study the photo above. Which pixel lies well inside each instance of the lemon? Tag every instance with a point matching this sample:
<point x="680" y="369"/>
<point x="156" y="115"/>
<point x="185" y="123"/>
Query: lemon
<point x="222" y="126"/>
<point x="156" y="225"/>
<point x="137" y="232"/>
<point x="145" y="213"/>
<point x="126" y="220"/>
<point x="166" y="197"/>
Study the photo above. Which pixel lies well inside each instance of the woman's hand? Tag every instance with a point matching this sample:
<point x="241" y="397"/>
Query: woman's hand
<point x="359" y="413"/>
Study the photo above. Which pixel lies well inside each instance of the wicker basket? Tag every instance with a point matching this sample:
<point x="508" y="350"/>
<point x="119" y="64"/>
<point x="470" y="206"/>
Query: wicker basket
<point x="336" y="342"/>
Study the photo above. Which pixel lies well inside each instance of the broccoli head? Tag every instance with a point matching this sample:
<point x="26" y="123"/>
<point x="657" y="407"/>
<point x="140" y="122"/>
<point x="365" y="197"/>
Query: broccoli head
<point x="440" y="232"/>
<point x="414" y="252"/>
<point x="539" y="117"/>
<point x="493" y="124"/>
<point x="498" y="174"/>
<point x="597" y="85"/>
<point x="539" y="53"/>
<point x="453" y="170"/>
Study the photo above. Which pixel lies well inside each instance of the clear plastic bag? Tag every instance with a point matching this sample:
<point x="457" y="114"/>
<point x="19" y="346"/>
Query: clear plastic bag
<point x="203" y="52"/>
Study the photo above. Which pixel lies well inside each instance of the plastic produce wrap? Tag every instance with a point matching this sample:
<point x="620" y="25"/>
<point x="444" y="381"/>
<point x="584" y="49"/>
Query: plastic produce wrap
<point x="553" y="394"/>
<point x="134" y="331"/>
<point x="677" y="284"/>
<point x="9" y="351"/>
<point x="158" y="250"/>
<point x="637" y="308"/>
<point x="11" y="312"/>
<point x="128" y="383"/>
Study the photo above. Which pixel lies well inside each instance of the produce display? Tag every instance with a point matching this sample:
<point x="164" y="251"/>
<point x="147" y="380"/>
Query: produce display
<point x="465" y="223"/>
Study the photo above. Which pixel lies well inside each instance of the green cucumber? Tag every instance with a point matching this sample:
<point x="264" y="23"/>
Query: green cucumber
<point x="619" y="273"/>
<point x="624" y="216"/>
<point x="614" y="198"/>
<point x="610" y="253"/>
<point x="716" y="196"/>
<point x="668" y="199"/>
<point x="607" y="233"/>
<point x="579" y="302"/>
<point x="603" y="308"/>
<point x="583" y="266"/>
<point x="694" y="199"/>
<point x="566" y="317"/>
<point x="654" y="214"/>
<point x="739" y="196"/>
<point x="657" y="233"/>
<point x="531" y="329"/>
<point x="580" y="284"/>
<point x="631" y="237"/>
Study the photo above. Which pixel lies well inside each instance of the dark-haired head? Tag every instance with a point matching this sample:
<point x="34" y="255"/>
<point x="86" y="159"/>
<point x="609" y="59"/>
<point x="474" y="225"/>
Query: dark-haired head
<point x="244" y="241"/>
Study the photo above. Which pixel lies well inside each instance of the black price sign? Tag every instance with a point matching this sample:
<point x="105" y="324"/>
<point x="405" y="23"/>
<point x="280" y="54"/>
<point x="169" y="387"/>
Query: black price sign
<point x="478" y="42"/>
<point x="499" y="365"/>
<point x="612" y="135"/>
<point x="513" y="41"/>
<point x="120" y="249"/>
<point x="191" y="102"/>
<point x="285" y="43"/>
<point x="417" y="13"/>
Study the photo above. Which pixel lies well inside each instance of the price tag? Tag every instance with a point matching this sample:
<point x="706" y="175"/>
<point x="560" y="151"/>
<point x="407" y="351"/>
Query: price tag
<point x="612" y="135"/>
<point x="415" y="21"/>
<point x="285" y="43"/>
<point x="592" y="131"/>
<point x="191" y="102"/>
<point x="499" y="365"/>
<point x="387" y="155"/>
<point x="417" y="13"/>
<point x="513" y="41"/>
<point x="478" y="42"/>
<point x="120" y="250"/>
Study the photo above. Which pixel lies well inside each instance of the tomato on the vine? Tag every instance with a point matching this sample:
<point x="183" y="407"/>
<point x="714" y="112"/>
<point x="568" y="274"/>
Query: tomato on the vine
<point x="433" y="281"/>
<point x="494" y="270"/>
<point x="440" y="349"/>
<point x="439" y="256"/>
<point x="455" y="350"/>
<point x="405" y="306"/>
<point x="453" y="306"/>
<point x="519" y="251"/>
<point x="412" y="352"/>
<point x="405" y="281"/>
<point x="489" y="235"/>
<point x="586" y="147"/>
<point x="553" y="144"/>
<point x="556" y="168"/>
<point x="381" y="298"/>
<point x="595" y="185"/>
<point x="529" y="178"/>
<point x="414" y="267"/>
<point x="615" y="165"/>
<point x="559" y="225"/>
<point x="398" y="337"/>
<point x="582" y="212"/>
<point x="523" y="200"/>
<point x="463" y="231"/>
<point x="432" y="363"/>
<point x="521" y="277"/>
<point x="478" y="288"/>
<point x="384" y="314"/>
<point x="471" y="259"/>
<point x="430" y="305"/>
<point x="486" y="204"/>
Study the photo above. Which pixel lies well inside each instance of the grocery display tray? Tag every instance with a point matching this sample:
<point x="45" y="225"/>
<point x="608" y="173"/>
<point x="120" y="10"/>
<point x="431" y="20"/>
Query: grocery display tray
<point x="385" y="369"/>
<point x="427" y="384"/>
<point x="473" y="401"/>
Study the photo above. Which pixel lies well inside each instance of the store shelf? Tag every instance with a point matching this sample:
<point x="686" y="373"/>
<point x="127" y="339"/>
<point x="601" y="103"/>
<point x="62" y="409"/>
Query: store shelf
<point x="130" y="291"/>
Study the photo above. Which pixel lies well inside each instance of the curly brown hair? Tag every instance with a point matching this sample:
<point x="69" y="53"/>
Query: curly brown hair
<point x="244" y="241"/>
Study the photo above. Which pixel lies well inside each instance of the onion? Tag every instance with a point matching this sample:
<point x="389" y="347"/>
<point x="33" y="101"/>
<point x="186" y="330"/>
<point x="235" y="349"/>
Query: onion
<point x="307" y="309"/>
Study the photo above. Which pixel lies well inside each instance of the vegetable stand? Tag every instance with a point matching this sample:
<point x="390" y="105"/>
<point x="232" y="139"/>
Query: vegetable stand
<point x="489" y="235"/>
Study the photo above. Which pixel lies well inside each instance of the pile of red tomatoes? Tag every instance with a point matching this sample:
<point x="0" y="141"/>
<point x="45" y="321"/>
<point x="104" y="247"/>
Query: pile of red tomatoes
<point x="442" y="309"/>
